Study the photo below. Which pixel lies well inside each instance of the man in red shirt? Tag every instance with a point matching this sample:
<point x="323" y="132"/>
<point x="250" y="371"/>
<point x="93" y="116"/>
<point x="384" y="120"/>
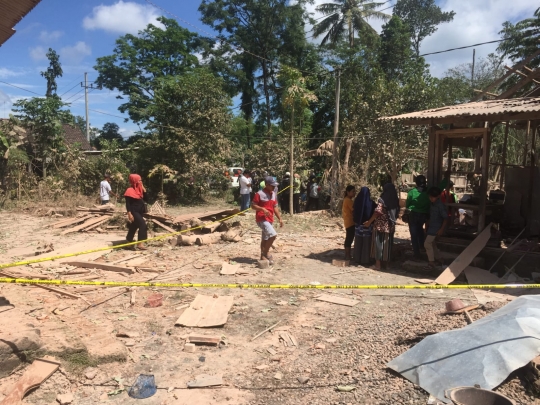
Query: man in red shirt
<point x="265" y="203"/>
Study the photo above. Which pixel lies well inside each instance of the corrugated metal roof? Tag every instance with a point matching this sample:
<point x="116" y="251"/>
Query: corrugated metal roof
<point x="483" y="110"/>
<point x="11" y="12"/>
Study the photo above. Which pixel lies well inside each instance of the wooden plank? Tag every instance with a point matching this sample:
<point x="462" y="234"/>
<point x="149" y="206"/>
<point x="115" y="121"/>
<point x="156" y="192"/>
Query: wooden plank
<point x="59" y="291"/>
<point x="465" y="258"/>
<point x="71" y="221"/>
<point x="205" y="312"/>
<point x="211" y="227"/>
<point x="101" y="266"/>
<point x="204" y="340"/>
<point x="167" y="228"/>
<point x="337" y="300"/>
<point x="96" y="224"/>
<point x="229" y="269"/>
<point x="476" y="275"/>
<point x="33" y="376"/>
<point x="205" y="380"/>
<point x="86" y="224"/>
<point x="17" y="273"/>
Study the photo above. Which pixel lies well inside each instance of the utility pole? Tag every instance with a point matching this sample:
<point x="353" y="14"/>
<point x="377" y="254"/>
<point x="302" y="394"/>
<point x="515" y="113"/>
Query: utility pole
<point x="86" y="105"/>
<point x="291" y="165"/>
<point x="472" y="70"/>
<point x="334" y="185"/>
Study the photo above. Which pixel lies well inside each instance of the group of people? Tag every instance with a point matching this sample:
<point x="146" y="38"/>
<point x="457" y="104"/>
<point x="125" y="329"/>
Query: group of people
<point x="371" y="225"/>
<point x="302" y="191"/>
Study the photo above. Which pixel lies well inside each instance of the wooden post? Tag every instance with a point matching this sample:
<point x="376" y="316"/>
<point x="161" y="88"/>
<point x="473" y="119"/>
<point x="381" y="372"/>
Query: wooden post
<point x="334" y="185"/>
<point x="526" y="143"/>
<point x="485" y="179"/>
<point x="505" y="146"/>
<point x="449" y="167"/>
<point x="533" y="170"/>
<point x="431" y="154"/>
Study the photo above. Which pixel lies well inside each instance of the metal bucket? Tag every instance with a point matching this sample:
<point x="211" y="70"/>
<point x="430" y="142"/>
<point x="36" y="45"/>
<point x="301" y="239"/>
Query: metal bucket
<point x="477" y="396"/>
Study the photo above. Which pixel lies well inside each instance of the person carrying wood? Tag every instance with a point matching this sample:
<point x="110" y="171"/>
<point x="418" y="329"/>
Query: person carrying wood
<point x="136" y="207"/>
<point x="265" y="203"/>
<point x="105" y="189"/>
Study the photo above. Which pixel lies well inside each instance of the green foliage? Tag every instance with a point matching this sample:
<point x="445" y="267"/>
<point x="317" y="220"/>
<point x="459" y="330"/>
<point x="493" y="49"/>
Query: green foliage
<point x="395" y="47"/>
<point x="344" y="18"/>
<point x="138" y="61"/>
<point x="110" y="132"/>
<point x="53" y="72"/>
<point x="521" y="39"/>
<point x="422" y="17"/>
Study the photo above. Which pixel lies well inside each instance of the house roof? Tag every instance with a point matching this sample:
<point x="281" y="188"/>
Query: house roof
<point x="11" y="12"/>
<point x="73" y="135"/>
<point x="524" y="108"/>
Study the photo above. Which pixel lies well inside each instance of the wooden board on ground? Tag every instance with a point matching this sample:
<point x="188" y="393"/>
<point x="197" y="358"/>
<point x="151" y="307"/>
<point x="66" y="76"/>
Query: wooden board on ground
<point x="465" y="258"/>
<point x="204" y="340"/>
<point x="424" y="281"/>
<point x="71" y="221"/>
<point x="33" y="376"/>
<point x="206" y="312"/>
<point x="480" y="276"/>
<point x="229" y="269"/>
<point x="337" y="300"/>
<point x="101" y="266"/>
<point x="205" y="380"/>
<point x="167" y="228"/>
<point x="84" y="225"/>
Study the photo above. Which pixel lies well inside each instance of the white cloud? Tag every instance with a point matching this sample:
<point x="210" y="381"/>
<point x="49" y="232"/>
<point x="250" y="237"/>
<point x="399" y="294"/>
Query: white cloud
<point x="75" y="53"/>
<point x="122" y="17"/>
<point x="46" y="36"/>
<point x="38" y="53"/>
<point x="126" y="132"/>
<point x="6" y="73"/>
<point x="474" y="22"/>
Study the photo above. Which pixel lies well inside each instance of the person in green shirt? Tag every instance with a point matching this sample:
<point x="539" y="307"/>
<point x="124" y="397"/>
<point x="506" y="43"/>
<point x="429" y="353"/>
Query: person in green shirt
<point x="418" y="204"/>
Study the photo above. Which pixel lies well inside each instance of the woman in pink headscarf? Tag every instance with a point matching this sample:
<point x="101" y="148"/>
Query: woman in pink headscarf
<point x="135" y="209"/>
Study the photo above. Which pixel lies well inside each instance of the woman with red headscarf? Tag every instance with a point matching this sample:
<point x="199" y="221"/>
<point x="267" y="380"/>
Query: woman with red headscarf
<point x="135" y="209"/>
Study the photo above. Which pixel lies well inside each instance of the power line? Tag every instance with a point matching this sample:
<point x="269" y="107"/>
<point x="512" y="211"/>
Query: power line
<point x="73" y="95"/>
<point x="76" y="80"/>
<point x="20" y="88"/>
<point x="463" y="47"/>
<point x="69" y="90"/>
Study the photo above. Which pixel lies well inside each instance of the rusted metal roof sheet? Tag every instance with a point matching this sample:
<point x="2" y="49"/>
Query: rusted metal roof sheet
<point x="482" y="110"/>
<point x="11" y="12"/>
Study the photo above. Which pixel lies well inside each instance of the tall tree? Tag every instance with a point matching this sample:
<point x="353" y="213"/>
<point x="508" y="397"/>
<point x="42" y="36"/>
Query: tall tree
<point x="53" y="72"/>
<point x="109" y="132"/>
<point x="139" y="60"/>
<point x="422" y="18"/>
<point x="344" y="18"/>
<point x="395" y="47"/>
<point x="521" y="39"/>
<point x="258" y="31"/>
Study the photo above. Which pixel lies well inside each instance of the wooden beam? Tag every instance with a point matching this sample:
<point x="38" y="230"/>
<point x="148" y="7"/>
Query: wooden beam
<point x="155" y="221"/>
<point x="533" y="170"/>
<point x="497" y="82"/>
<point x="505" y="144"/>
<point x="101" y="266"/>
<point x="487" y="93"/>
<point x="528" y="69"/>
<point x="84" y="225"/>
<point x="485" y="179"/>
<point x="515" y="71"/>
<point x="431" y="154"/>
<point x="526" y="80"/>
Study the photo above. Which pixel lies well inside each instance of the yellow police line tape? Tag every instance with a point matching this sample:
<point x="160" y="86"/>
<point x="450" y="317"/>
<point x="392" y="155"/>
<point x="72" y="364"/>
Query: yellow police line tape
<point x="47" y="259"/>
<point x="272" y="286"/>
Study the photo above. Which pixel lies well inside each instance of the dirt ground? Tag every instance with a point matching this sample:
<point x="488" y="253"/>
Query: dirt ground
<point x="337" y="345"/>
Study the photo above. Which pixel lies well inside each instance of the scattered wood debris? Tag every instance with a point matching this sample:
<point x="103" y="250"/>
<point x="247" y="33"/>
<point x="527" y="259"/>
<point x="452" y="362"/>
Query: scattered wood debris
<point x="205" y="380"/>
<point x="206" y="312"/>
<point x="204" y="340"/>
<point x="288" y="339"/>
<point x="337" y="300"/>
<point x="102" y="266"/>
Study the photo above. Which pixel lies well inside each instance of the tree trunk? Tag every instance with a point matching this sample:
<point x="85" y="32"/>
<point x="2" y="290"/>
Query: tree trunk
<point x="267" y="95"/>
<point x="291" y="166"/>
<point x="348" y="147"/>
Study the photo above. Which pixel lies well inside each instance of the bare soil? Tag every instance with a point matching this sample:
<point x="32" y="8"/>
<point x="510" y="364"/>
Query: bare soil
<point x="337" y="345"/>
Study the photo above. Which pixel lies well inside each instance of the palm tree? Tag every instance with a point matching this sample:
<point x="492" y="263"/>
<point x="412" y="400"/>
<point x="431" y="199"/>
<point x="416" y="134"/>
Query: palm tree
<point x="345" y="17"/>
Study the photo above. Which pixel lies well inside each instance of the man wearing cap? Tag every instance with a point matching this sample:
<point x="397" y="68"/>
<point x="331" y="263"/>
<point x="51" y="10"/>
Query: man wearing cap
<point x="265" y="203"/>
<point x="105" y="189"/>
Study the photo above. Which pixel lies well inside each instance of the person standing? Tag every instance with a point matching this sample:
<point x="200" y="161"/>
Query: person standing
<point x="105" y="189"/>
<point x="362" y="211"/>
<point x="265" y="204"/>
<point x="313" y="195"/>
<point x="418" y="205"/>
<point x="384" y="225"/>
<point x="286" y="193"/>
<point x="297" y="184"/>
<point x="438" y="219"/>
<point x="348" y="221"/>
<point x="245" y="190"/>
<point x="136" y="207"/>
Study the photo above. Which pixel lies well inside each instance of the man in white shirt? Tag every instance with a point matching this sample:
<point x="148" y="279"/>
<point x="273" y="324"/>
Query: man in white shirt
<point x="245" y="190"/>
<point x="105" y="190"/>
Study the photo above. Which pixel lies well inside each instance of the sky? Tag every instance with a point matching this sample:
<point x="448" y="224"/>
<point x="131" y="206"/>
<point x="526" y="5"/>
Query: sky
<point x="81" y="31"/>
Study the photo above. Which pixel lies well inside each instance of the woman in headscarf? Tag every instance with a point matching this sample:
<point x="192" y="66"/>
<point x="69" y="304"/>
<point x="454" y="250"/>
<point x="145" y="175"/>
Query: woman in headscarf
<point x="384" y="225"/>
<point x="362" y="211"/>
<point x="135" y="207"/>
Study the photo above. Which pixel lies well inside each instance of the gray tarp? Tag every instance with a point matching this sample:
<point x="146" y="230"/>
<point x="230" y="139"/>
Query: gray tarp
<point x="484" y="352"/>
